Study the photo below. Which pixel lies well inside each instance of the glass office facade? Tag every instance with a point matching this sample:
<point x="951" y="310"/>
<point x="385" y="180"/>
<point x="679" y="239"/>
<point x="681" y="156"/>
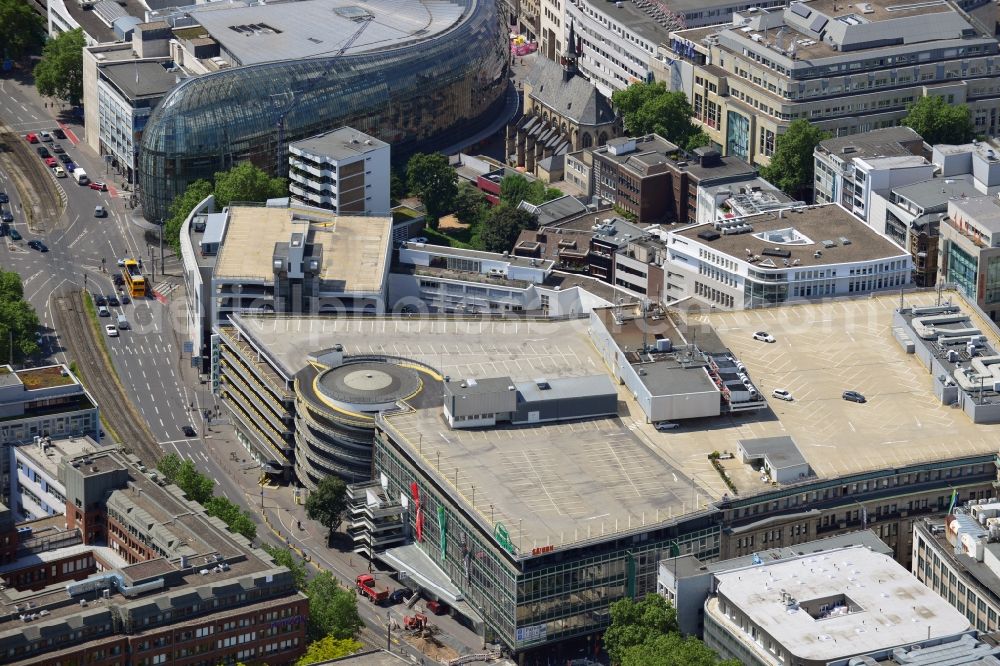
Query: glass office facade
<point x="421" y="96"/>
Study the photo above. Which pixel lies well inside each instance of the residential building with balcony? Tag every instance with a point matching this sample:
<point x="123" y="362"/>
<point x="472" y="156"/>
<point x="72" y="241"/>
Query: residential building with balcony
<point x="969" y="253"/>
<point x="778" y="257"/>
<point x="846" y="70"/>
<point x="345" y="171"/>
<point x="653" y="180"/>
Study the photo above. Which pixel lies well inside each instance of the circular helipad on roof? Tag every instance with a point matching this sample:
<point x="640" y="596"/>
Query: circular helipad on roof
<point x="368" y="386"/>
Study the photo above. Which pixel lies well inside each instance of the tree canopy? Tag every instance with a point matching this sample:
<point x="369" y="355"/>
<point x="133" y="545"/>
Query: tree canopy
<point x="327" y="503"/>
<point x="180" y="208"/>
<point x="431" y="178"/>
<point x="60" y="71"/>
<point x="645" y="633"/>
<point x="198" y="487"/>
<point x="471" y="204"/>
<point x="22" y="30"/>
<point x="246" y="182"/>
<point x="791" y="167"/>
<point x="18" y="321"/>
<point x="939" y="122"/>
<point x="333" y="611"/>
<point x="284" y="557"/>
<point x="649" y="107"/>
<point x="515" y="188"/>
<point x="327" y="649"/>
<point x="502" y="226"/>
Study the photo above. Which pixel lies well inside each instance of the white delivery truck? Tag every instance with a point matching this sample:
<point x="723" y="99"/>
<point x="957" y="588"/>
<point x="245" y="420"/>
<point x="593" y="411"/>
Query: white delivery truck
<point x="80" y="176"/>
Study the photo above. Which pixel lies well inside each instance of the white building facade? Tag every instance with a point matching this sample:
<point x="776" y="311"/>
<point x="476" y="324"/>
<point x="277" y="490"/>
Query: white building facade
<point x="345" y="171"/>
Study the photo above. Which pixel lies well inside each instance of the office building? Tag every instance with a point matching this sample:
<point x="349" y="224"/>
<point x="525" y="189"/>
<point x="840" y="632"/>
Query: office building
<point x="740" y="198"/>
<point x="47" y="401"/>
<point x="778" y="257"/>
<point x="846" y="70"/>
<point x="969" y="254"/>
<point x="651" y="179"/>
<point x="150" y="579"/>
<point x="850" y="168"/>
<point x="344" y="171"/>
<point x="826" y="608"/>
<point x="36" y="490"/>
<point x="959" y="558"/>
<point x="417" y="76"/>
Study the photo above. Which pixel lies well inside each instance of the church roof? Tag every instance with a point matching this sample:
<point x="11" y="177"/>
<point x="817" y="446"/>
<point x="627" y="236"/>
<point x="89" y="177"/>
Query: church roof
<point x="576" y="99"/>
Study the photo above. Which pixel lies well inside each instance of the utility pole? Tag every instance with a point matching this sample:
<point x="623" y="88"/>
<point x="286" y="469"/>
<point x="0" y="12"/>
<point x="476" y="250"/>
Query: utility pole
<point x="388" y="631"/>
<point x="161" y="248"/>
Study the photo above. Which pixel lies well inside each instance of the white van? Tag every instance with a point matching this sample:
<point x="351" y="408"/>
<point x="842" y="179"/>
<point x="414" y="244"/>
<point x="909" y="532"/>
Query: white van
<point x="80" y="176"/>
<point x="122" y="322"/>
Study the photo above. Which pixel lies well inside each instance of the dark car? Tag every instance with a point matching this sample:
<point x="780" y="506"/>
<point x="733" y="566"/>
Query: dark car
<point x="100" y="300"/>
<point x="4" y="229"/>
<point x="38" y="245"/>
<point x="854" y="396"/>
<point x="4" y="198"/>
<point x="59" y="134"/>
<point x="65" y="159"/>
<point x="43" y="152"/>
<point x="56" y="148"/>
<point x="113" y="300"/>
<point x="400" y="595"/>
<point x="15" y="235"/>
<point x="119" y="280"/>
<point x="125" y="299"/>
<point x="70" y="166"/>
<point x="189" y="431"/>
<point x="6" y="215"/>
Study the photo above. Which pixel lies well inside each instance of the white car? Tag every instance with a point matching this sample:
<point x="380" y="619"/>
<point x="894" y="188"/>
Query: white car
<point x="60" y="172"/>
<point x="782" y="394"/>
<point x="664" y="426"/>
<point x="112" y="330"/>
<point x="45" y="136"/>
<point x="418" y="239"/>
<point x="121" y="263"/>
<point x="763" y="336"/>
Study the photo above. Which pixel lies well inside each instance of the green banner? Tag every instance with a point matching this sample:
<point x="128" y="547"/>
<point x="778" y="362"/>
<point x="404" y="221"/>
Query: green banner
<point x="443" y="529"/>
<point x="629" y="575"/>
<point x="503" y="538"/>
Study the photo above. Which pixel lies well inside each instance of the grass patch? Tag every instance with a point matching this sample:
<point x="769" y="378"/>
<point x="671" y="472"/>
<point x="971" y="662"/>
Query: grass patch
<point x="39" y="378"/>
<point x="435" y="237"/>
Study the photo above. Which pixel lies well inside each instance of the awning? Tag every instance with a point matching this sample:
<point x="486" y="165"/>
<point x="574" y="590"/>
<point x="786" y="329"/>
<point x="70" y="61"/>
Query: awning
<point x="415" y="563"/>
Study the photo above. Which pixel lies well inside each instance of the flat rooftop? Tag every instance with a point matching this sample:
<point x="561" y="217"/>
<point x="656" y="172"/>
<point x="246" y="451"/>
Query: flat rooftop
<point x="886" y="606"/>
<point x="981" y="211"/>
<point x="308" y="28"/>
<point x="355" y="249"/>
<point x="340" y="143"/>
<point x="882" y="142"/>
<point x="479" y="255"/>
<point x="813" y="225"/>
<point x="933" y="194"/>
<point x="139" y="80"/>
<point x="48" y="377"/>
<point x="48" y="459"/>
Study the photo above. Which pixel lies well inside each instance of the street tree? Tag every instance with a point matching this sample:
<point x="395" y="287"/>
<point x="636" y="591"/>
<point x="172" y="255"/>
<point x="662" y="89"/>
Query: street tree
<point x="649" y="107"/>
<point x="236" y="519"/>
<point x="180" y="208"/>
<point x="327" y="649"/>
<point x="246" y="182"/>
<point x="18" y="321"/>
<point x="502" y="226"/>
<point x="327" y="503"/>
<point x="60" y="71"/>
<point x="936" y="121"/>
<point x="431" y="178"/>
<point x="284" y="557"/>
<point x="22" y="30"/>
<point x="636" y="623"/>
<point x="791" y="167"/>
<point x="673" y="649"/>
<point x="471" y="204"/>
<point x="333" y="611"/>
<point x="515" y="188"/>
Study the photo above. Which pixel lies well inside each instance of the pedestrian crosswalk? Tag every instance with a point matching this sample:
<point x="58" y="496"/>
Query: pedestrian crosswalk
<point x="165" y="288"/>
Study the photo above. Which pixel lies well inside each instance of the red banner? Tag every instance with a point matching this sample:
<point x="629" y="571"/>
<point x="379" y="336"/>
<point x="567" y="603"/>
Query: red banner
<point x="419" y="521"/>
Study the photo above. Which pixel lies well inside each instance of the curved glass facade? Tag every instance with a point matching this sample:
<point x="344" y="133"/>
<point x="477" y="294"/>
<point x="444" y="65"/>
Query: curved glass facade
<point x="422" y="96"/>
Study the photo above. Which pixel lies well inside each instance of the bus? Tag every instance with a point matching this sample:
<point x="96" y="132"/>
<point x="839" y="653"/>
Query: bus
<point x="134" y="280"/>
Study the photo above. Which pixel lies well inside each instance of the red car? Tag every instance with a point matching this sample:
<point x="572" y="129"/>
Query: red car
<point x="32" y="138"/>
<point x="99" y="186"/>
<point x="51" y="162"/>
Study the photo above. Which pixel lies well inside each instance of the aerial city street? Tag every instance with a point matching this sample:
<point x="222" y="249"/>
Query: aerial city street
<point x="650" y="332"/>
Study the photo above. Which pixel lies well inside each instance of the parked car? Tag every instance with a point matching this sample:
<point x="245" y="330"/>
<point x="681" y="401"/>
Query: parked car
<point x="56" y="148"/>
<point x="59" y="172"/>
<point x="113" y="300"/>
<point x="400" y="595"/>
<point x="38" y="245"/>
<point x="51" y="162"/>
<point x="437" y="607"/>
<point x="189" y="431"/>
<point x="70" y="166"/>
<point x="59" y="134"/>
<point x="854" y="396"/>
<point x="15" y="235"/>
<point x="100" y="300"/>
<point x="65" y="159"/>
<point x="103" y="311"/>
<point x="782" y="394"/>
<point x="4" y="229"/>
<point x="45" y="136"/>
<point x="98" y="185"/>
<point x="6" y="215"/>
<point x="112" y="330"/>
<point x="763" y="336"/>
<point x="31" y="138"/>
<point x="99" y="211"/>
<point x="4" y="198"/>
<point x="43" y="152"/>
<point x="663" y="426"/>
<point x="418" y="239"/>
